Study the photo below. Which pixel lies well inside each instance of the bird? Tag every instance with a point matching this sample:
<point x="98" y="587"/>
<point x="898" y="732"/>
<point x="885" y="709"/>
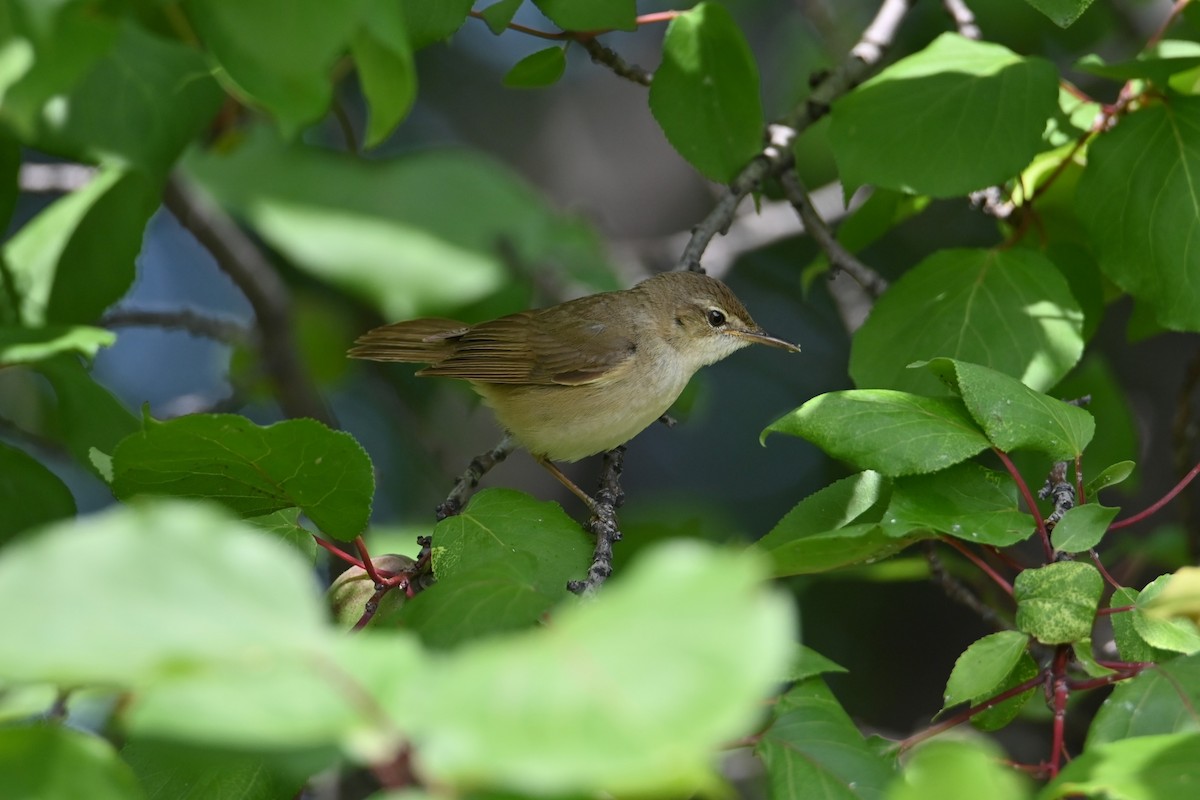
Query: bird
<point x="587" y="375"/>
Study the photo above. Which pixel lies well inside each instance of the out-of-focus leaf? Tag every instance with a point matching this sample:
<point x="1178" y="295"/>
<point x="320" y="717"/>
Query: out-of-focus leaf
<point x="30" y="494"/>
<point x="1143" y="768"/>
<point x="1159" y="700"/>
<point x="948" y="769"/>
<point x="286" y="70"/>
<point x="421" y="234"/>
<point x="252" y="470"/>
<point x="29" y="345"/>
<point x="55" y="762"/>
<point x="75" y="258"/>
<point x="385" y="67"/>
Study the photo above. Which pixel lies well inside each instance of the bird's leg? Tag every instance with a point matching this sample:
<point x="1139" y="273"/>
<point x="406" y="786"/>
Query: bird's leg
<point x="479" y="466"/>
<point x="561" y="477"/>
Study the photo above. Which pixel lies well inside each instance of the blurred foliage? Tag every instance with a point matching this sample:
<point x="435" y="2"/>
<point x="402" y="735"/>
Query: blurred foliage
<point x="208" y="200"/>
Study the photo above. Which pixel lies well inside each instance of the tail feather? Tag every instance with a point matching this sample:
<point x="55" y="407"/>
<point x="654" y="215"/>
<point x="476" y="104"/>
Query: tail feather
<point x="421" y="341"/>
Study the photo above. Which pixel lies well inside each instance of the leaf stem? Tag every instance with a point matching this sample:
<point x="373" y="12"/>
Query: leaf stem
<point x="979" y="562"/>
<point x="1023" y="488"/>
<point x="1168" y="497"/>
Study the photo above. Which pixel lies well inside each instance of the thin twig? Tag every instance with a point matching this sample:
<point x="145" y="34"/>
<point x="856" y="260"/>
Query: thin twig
<point x="961" y="593"/>
<point x="777" y="154"/>
<point x="961" y="717"/>
<point x="240" y="258"/>
<point x="479" y="466"/>
<point x="603" y="524"/>
<point x="839" y="257"/>
<point x="964" y="18"/>
<point x="1004" y="585"/>
<point x="1168" y="497"/>
<point x="607" y="57"/>
<point x="1023" y="488"/>
<point x="183" y="319"/>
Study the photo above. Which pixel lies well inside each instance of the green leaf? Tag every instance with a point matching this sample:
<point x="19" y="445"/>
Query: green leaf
<point x="705" y="94"/>
<point x="1143" y="242"/>
<point x="814" y="749"/>
<point x="30" y="494"/>
<point x="1056" y="604"/>
<point x="983" y="667"/>
<point x="1086" y="661"/>
<point x="288" y="74"/>
<point x="1130" y="644"/>
<point x="501" y="564"/>
<point x="1061" y="12"/>
<point x="834" y="527"/>
<point x="966" y="501"/>
<point x="947" y="769"/>
<point x="1082" y="527"/>
<point x="411" y="235"/>
<point x="141" y="592"/>
<point x="87" y="417"/>
<point x="498" y="15"/>
<point x="1159" y="700"/>
<point x="433" y="22"/>
<point x="75" y="258"/>
<point x="55" y="762"/>
<point x="252" y="470"/>
<point x="542" y="68"/>
<point x="1001" y="714"/>
<point x="385" y="67"/>
<point x="285" y="526"/>
<point x="894" y="433"/>
<point x="1156" y="63"/>
<point x="808" y="663"/>
<point x="1014" y="416"/>
<point x="958" y="116"/>
<point x="28" y="345"/>
<point x="1174" y="634"/>
<point x="1110" y="476"/>
<point x="99" y="91"/>
<point x="171" y="771"/>
<point x="1010" y="310"/>
<point x="590" y="15"/>
<point x="706" y="639"/>
<point x="1145" y="768"/>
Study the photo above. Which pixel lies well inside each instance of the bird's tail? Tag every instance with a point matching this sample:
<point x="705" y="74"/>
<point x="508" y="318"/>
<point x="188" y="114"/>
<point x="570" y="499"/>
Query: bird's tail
<point x="422" y="341"/>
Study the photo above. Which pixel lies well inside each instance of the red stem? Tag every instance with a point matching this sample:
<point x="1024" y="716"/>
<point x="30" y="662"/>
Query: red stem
<point x="1029" y="501"/>
<point x="963" y="716"/>
<point x="1168" y="497"/>
<point x="1061" y="689"/>
<point x="561" y="36"/>
<point x="1100" y="566"/>
<point x="339" y="552"/>
<point x="979" y="562"/>
<point x="1114" y="610"/>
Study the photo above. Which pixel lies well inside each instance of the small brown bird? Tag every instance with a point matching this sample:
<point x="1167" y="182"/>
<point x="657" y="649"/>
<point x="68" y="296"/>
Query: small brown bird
<point x="584" y="376"/>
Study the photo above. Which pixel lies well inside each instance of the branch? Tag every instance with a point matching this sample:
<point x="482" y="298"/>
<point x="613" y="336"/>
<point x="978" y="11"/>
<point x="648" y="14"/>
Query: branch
<point x="1168" y="497"/>
<point x="777" y="154"/>
<point x="184" y="319"/>
<point x="480" y="465"/>
<point x="961" y="593"/>
<point x="603" y="524"/>
<point x="964" y="18"/>
<point x="607" y="57"/>
<point x="240" y="258"/>
<point x="1058" y="487"/>
<point x="840" y="259"/>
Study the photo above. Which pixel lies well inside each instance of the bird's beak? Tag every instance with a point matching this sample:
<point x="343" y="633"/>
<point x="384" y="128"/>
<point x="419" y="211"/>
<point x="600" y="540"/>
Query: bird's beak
<point x="759" y="336"/>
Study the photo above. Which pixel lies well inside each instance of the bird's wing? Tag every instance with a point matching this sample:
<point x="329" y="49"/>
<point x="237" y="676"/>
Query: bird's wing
<point x="423" y="341"/>
<point x="564" y="345"/>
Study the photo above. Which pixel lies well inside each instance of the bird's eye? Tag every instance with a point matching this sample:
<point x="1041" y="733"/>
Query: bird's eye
<point x="716" y="318"/>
